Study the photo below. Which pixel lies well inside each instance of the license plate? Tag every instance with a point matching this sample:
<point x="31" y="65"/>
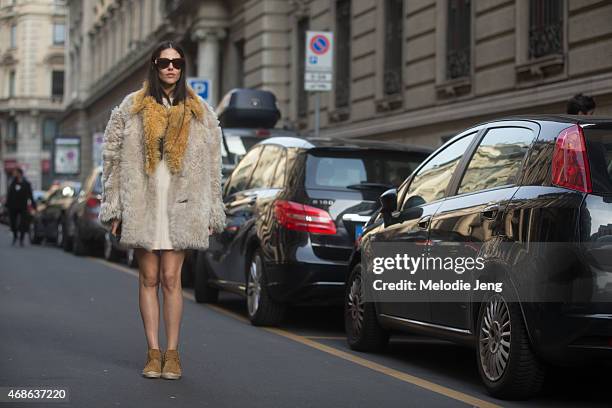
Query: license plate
<point x="358" y="230"/>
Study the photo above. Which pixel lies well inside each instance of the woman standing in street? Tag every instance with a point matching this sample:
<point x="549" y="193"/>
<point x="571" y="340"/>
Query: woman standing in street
<point x="162" y="190"/>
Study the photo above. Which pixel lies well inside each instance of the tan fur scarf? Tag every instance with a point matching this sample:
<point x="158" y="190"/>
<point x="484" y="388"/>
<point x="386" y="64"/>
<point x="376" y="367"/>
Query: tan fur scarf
<point x="158" y="120"/>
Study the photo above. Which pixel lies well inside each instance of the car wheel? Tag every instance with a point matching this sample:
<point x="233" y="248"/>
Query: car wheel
<point x="110" y="252"/>
<point x="35" y="239"/>
<point x="507" y="365"/>
<point x="204" y="293"/>
<point x="130" y="258"/>
<point x="261" y="308"/>
<point x="79" y="248"/>
<point x="187" y="269"/>
<point x="363" y="332"/>
<point x="59" y="235"/>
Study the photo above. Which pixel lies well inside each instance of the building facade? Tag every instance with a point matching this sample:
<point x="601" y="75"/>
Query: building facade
<point x="412" y="71"/>
<point x="32" y="41"/>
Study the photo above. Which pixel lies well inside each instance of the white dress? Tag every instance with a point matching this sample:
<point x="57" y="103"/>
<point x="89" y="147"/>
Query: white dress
<point x="162" y="179"/>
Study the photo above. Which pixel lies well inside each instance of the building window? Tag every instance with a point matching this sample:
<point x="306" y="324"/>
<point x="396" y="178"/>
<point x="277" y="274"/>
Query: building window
<point x="11" y="136"/>
<point x="59" y="34"/>
<point x="458" y="39"/>
<point x="11" y="86"/>
<point x="343" y="51"/>
<point x="394" y="19"/>
<point x="240" y="62"/>
<point x="545" y="28"/>
<point x="14" y="36"/>
<point x="50" y="129"/>
<point x="57" y="84"/>
<point x="302" y="96"/>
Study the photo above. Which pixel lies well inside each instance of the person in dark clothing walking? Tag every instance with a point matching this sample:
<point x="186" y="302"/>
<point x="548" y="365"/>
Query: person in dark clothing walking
<point x="20" y="190"/>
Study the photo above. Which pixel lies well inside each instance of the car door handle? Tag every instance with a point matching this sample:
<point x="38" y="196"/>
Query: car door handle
<point x="490" y="212"/>
<point x="424" y="222"/>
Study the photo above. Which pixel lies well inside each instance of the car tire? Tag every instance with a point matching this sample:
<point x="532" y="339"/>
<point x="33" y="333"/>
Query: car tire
<point x="204" y="293"/>
<point x="187" y="269"/>
<point x="35" y="239"/>
<point x="262" y="310"/>
<point x="363" y="331"/>
<point x="79" y="248"/>
<point x="110" y="252"/>
<point x="67" y="244"/>
<point x="506" y="362"/>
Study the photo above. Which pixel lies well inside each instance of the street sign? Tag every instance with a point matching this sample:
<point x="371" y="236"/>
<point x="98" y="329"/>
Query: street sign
<point x="201" y="86"/>
<point x="319" y="60"/>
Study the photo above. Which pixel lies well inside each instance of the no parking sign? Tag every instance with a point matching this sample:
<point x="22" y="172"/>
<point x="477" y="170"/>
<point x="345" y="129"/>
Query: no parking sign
<point x="319" y="60"/>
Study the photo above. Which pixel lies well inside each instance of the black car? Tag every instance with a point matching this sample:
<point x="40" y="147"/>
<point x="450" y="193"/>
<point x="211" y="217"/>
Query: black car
<point x="532" y="196"/>
<point x="48" y="222"/>
<point x="294" y="208"/>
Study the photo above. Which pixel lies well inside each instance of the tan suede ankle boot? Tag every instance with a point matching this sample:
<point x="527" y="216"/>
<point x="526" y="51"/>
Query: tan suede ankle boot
<point x="153" y="366"/>
<point x="172" y="365"/>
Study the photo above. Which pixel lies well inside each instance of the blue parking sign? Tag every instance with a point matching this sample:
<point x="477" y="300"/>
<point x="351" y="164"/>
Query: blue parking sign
<point x="201" y="86"/>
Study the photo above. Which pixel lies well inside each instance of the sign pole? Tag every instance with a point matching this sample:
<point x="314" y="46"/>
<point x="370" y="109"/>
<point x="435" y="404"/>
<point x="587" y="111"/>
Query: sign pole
<point x="318" y="69"/>
<point x="317" y="112"/>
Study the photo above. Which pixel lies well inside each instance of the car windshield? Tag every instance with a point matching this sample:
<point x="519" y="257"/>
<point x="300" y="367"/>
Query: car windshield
<point x="359" y="169"/>
<point x="599" y="151"/>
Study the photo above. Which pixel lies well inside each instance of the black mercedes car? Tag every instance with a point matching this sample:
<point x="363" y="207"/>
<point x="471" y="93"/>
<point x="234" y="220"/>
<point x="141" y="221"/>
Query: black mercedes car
<point x="532" y="198"/>
<point x="294" y="209"/>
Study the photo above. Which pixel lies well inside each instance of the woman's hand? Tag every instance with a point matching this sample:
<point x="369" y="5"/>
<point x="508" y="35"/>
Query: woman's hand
<point x="115" y="225"/>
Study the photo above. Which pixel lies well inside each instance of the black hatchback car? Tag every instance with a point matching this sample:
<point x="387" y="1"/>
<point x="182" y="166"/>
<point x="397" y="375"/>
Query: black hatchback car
<point x="532" y="196"/>
<point x="294" y="209"/>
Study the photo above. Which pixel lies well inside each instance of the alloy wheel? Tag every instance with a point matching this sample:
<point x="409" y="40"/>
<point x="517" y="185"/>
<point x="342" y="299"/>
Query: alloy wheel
<point x="355" y="304"/>
<point x="254" y="286"/>
<point x="60" y="233"/>
<point x="494" y="338"/>
<point x="108" y="245"/>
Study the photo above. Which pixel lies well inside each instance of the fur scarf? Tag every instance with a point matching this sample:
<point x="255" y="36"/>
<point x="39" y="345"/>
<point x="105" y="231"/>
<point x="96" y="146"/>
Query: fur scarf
<point x="170" y="123"/>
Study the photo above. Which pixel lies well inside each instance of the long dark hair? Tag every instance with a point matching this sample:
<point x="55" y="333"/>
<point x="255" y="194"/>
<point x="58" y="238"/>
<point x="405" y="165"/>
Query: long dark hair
<point x="155" y="86"/>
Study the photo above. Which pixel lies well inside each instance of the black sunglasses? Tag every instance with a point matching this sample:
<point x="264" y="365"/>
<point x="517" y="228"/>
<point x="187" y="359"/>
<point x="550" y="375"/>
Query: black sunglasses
<point x="163" y="63"/>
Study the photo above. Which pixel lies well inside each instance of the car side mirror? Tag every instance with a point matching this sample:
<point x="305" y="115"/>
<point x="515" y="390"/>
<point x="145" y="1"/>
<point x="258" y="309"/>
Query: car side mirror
<point x="388" y="201"/>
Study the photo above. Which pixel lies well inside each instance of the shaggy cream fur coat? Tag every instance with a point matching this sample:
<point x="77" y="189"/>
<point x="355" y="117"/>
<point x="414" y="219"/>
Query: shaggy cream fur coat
<point x="192" y="151"/>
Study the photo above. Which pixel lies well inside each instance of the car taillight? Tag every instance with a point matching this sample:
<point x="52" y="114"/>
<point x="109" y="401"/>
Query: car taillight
<point x="92" y="202"/>
<point x="570" y="165"/>
<point x="301" y="217"/>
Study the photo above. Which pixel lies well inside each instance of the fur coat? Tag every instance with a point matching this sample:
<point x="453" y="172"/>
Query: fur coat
<point x="130" y="154"/>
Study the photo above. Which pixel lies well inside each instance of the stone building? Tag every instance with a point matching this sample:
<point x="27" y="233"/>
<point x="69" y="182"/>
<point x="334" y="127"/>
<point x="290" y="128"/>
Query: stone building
<point x="414" y="71"/>
<point x="32" y="41"/>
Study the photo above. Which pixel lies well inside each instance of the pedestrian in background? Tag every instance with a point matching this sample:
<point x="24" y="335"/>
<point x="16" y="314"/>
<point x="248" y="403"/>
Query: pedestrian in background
<point x="581" y="105"/>
<point x="162" y="189"/>
<point x="19" y="192"/>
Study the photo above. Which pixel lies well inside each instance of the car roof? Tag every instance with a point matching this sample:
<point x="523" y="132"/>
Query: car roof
<point x="578" y="119"/>
<point x="333" y="142"/>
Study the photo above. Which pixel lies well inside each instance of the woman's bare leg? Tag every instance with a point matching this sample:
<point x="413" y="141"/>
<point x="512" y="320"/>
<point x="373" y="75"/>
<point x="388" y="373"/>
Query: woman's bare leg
<point x="171" y="264"/>
<point x="148" y="267"/>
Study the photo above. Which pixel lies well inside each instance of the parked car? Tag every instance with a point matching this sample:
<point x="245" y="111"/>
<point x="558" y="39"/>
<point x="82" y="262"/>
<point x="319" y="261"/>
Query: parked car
<point x="533" y="194"/>
<point x="246" y="116"/>
<point x="85" y="234"/>
<point x="294" y="208"/>
<point x="48" y="221"/>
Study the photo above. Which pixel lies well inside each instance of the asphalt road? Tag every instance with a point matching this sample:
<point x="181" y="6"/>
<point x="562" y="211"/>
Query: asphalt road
<point x="70" y="322"/>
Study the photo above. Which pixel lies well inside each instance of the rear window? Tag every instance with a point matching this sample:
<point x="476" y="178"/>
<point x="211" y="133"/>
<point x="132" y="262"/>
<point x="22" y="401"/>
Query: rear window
<point x="238" y="146"/>
<point x="599" y="150"/>
<point x="359" y="169"/>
